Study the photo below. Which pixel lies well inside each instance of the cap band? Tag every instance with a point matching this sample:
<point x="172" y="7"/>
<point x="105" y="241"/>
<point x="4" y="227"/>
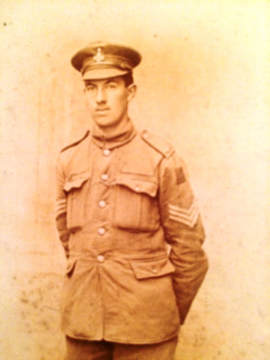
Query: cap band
<point x="108" y="61"/>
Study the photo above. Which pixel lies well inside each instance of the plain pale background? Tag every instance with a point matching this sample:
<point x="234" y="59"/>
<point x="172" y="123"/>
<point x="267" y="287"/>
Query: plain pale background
<point x="204" y="85"/>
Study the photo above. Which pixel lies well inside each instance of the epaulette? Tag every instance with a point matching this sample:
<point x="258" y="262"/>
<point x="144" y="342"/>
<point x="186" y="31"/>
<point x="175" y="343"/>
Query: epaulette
<point x="158" y="143"/>
<point x="76" y="142"/>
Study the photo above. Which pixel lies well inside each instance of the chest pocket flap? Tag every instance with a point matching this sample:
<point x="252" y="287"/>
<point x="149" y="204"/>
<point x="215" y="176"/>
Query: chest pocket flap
<point x="75" y="181"/>
<point x="145" y="186"/>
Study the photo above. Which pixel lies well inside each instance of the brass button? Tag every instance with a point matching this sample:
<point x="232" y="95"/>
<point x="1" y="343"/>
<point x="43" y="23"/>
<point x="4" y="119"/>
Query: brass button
<point x="100" y="258"/>
<point x="106" y="152"/>
<point x="101" y="231"/>
<point x="102" y="203"/>
<point x="104" y="177"/>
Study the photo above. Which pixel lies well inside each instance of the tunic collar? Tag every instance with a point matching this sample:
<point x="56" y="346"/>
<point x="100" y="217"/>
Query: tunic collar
<point x="118" y="137"/>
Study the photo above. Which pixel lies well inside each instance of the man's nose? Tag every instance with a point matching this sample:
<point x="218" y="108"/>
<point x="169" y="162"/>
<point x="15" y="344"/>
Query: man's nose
<point x="100" y="96"/>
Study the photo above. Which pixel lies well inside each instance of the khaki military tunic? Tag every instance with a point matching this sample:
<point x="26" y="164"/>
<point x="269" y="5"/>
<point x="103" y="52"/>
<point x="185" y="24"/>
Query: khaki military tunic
<point x="119" y="204"/>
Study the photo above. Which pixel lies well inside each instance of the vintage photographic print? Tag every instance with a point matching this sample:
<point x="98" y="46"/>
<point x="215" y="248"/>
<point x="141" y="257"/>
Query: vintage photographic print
<point x="134" y="180"/>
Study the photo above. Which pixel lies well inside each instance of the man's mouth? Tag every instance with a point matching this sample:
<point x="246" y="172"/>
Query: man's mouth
<point x="102" y="109"/>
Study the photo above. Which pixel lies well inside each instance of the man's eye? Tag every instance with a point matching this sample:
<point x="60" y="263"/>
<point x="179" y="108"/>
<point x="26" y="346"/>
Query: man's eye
<point x="111" y="85"/>
<point x="89" y="87"/>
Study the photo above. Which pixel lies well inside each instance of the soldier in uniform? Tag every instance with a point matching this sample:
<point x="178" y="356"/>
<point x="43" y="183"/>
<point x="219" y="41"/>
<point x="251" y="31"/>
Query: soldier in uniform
<point x="122" y="198"/>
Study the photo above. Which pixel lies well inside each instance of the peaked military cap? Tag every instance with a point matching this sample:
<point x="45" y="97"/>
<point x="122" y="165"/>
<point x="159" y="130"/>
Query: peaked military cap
<point x="102" y="60"/>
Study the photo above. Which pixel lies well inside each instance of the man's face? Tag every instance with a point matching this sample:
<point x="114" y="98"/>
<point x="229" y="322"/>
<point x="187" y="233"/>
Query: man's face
<point x="108" y="100"/>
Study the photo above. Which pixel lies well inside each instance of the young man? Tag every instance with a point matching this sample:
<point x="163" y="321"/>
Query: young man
<point x="122" y="198"/>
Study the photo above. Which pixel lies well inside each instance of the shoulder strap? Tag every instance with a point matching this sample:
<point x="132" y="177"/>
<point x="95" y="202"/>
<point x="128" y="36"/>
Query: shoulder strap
<point x="157" y="143"/>
<point x="76" y="142"/>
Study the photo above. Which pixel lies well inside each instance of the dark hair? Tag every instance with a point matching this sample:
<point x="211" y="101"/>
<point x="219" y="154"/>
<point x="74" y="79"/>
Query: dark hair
<point x="128" y="78"/>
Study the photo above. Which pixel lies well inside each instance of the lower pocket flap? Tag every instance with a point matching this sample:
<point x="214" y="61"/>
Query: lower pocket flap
<point x="149" y="269"/>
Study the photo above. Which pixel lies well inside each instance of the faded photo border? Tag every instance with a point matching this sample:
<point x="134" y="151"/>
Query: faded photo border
<point x="203" y="84"/>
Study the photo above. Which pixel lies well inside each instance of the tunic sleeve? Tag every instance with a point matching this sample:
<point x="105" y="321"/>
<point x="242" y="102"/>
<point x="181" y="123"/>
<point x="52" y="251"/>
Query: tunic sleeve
<point x="61" y="207"/>
<point x="183" y="231"/>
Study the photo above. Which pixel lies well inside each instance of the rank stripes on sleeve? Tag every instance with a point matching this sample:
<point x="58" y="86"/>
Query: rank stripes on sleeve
<point x="60" y="207"/>
<point x="185" y="216"/>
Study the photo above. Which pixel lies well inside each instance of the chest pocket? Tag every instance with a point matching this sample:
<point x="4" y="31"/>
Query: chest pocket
<point x="76" y="188"/>
<point x="136" y="206"/>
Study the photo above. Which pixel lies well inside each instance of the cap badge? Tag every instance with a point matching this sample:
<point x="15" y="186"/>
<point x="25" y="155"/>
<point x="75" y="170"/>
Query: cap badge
<point x="99" y="57"/>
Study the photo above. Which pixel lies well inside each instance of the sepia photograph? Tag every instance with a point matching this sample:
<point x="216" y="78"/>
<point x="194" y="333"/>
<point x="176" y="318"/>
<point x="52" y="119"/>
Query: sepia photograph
<point x="134" y="167"/>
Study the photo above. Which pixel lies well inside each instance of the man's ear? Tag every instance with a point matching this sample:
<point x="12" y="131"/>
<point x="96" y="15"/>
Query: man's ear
<point x="132" y="89"/>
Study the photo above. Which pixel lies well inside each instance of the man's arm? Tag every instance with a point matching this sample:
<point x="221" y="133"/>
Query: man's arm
<point x="183" y="231"/>
<point x="61" y="207"/>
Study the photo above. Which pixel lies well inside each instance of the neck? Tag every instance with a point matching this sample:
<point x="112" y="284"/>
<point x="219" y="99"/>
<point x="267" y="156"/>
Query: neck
<point x="115" y="135"/>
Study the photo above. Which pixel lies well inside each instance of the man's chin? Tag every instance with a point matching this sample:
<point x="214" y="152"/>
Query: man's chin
<point x="104" y="122"/>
